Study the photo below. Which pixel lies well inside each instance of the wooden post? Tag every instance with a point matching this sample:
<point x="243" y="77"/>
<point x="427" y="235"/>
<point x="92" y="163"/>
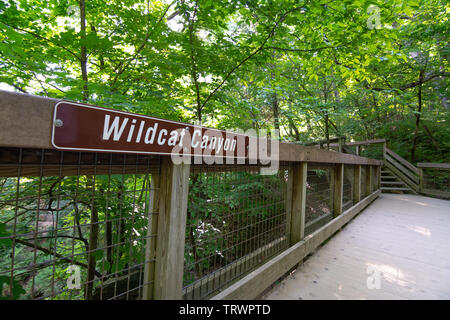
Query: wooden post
<point x="173" y="196"/>
<point x="369" y="180"/>
<point x="297" y="220"/>
<point x="357" y="150"/>
<point x="356" y="184"/>
<point x="338" y="189"/>
<point x="420" y="180"/>
<point x="340" y="144"/>
<point x="152" y="229"/>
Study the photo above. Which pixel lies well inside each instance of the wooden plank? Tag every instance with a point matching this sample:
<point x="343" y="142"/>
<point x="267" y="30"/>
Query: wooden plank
<point x="25" y="120"/>
<point x="173" y="195"/>
<point x="338" y="189"/>
<point x="402" y="161"/>
<point x="257" y="281"/>
<point x="295" y="152"/>
<point x="421" y="182"/>
<point x="433" y="165"/>
<point x="150" y="246"/>
<point x="356" y="184"/>
<point x="401" y="168"/>
<point x="297" y="229"/>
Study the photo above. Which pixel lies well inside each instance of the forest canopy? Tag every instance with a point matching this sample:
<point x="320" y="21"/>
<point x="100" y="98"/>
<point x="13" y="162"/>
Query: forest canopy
<point x="312" y="69"/>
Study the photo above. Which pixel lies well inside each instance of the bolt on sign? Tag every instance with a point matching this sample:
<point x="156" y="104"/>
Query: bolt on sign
<point x="82" y="127"/>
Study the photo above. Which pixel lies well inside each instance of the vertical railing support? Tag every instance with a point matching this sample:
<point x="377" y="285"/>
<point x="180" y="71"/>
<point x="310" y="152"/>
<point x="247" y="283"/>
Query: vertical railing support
<point x="356" y="184"/>
<point x="173" y="196"/>
<point x="420" y="180"/>
<point x="297" y="219"/>
<point x="338" y="189"/>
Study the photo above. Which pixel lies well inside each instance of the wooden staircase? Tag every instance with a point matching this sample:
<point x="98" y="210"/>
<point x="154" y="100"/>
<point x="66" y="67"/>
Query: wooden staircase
<point x="398" y="175"/>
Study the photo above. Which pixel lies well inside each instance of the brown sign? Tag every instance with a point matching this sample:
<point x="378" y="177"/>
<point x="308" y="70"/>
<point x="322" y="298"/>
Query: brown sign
<point x="89" y="128"/>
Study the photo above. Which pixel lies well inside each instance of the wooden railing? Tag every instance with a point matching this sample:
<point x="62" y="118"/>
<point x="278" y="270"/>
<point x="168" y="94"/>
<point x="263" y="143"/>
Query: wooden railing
<point x="265" y="244"/>
<point x="407" y="172"/>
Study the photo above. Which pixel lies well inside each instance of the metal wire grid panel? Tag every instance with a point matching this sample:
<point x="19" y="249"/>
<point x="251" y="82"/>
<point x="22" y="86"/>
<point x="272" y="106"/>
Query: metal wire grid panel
<point x="73" y="225"/>
<point x="347" y="196"/>
<point x="319" y="198"/>
<point x="236" y="220"/>
<point x="436" y="179"/>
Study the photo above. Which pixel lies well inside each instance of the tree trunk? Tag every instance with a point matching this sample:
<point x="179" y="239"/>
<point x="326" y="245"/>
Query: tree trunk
<point x="276" y="111"/>
<point x="83" y="58"/>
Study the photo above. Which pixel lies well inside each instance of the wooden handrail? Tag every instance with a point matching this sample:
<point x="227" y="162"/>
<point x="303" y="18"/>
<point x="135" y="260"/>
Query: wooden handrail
<point x="26" y="122"/>
<point x="403" y="161"/>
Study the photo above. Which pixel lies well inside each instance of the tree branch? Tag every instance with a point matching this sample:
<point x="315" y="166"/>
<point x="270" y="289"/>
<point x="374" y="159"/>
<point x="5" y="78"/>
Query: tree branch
<point x="47" y="251"/>
<point x="255" y="52"/>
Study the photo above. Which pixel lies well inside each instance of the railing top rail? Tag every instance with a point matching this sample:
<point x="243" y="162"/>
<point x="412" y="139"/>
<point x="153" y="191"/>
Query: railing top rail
<point x="26" y="121"/>
<point x="360" y="143"/>
<point x="433" y="165"/>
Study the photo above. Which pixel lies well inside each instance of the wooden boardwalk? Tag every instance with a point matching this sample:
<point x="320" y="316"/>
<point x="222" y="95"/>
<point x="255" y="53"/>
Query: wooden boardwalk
<point x="401" y="240"/>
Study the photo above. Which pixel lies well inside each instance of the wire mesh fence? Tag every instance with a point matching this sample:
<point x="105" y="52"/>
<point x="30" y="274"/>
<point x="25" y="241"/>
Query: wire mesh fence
<point x="347" y="195"/>
<point x="319" y="198"/>
<point x="73" y="225"/>
<point x="364" y="171"/>
<point x="236" y="220"/>
<point x="78" y="225"/>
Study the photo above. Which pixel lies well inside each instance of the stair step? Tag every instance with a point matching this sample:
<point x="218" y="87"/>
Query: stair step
<point x="392" y="182"/>
<point x="394" y="189"/>
<point x="388" y="178"/>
